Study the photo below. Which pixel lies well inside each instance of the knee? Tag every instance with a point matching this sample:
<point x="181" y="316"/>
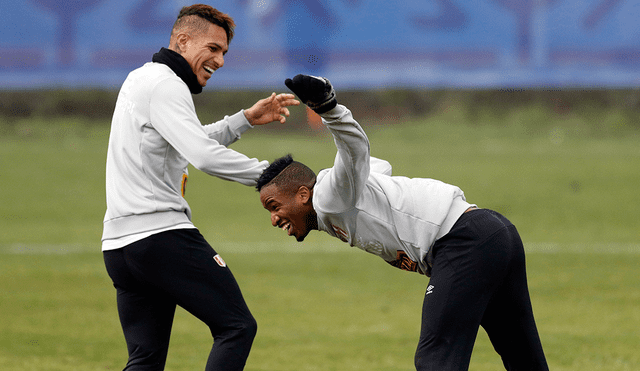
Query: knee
<point x="244" y="331"/>
<point x="146" y="359"/>
<point x="250" y="328"/>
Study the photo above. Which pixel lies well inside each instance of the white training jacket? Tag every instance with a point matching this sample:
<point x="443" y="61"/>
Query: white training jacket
<point x="155" y="134"/>
<point x="394" y="217"/>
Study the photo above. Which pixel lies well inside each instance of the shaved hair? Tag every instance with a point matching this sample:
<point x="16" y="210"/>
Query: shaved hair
<point x="287" y="174"/>
<point x="197" y="19"/>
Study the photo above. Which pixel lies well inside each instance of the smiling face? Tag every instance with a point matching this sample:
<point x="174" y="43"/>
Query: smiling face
<point x="204" y="50"/>
<point x="292" y="211"/>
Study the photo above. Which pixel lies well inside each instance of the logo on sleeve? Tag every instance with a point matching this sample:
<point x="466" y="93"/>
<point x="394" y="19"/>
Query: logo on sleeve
<point x="219" y="260"/>
<point x="341" y="233"/>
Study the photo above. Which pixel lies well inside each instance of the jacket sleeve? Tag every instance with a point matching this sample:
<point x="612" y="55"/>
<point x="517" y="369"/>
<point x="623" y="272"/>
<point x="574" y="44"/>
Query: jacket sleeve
<point x="173" y="115"/>
<point x="229" y="129"/>
<point x="342" y="186"/>
<point x="380" y="166"/>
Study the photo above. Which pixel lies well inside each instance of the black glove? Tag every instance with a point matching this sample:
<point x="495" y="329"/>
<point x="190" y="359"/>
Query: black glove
<point x="315" y="92"/>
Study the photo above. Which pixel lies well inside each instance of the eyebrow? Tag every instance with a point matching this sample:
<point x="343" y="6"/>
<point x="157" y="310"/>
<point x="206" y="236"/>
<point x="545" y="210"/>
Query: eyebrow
<point x="270" y="202"/>
<point x="213" y="43"/>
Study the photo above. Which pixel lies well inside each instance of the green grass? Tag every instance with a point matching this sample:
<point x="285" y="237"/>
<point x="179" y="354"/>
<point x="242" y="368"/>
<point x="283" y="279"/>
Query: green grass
<point x="323" y="306"/>
<point x="571" y="189"/>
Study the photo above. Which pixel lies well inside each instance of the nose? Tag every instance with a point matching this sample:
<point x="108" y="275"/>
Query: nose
<point x="219" y="60"/>
<point x="274" y="220"/>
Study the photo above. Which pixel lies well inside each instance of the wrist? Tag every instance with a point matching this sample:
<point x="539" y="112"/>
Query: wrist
<point x="325" y="106"/>
<point x="249" y="115"/>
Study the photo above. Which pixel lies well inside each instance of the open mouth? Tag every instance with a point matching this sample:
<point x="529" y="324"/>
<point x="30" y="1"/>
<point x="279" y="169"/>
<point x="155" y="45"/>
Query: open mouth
<point x="209" y="69"/>
<point x="287" y="228"/>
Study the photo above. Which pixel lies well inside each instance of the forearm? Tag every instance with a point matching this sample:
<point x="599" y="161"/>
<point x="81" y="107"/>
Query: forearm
<point x="349" y="174"/>
<point x="350" y="139"/>
<point x="229" y="129"/>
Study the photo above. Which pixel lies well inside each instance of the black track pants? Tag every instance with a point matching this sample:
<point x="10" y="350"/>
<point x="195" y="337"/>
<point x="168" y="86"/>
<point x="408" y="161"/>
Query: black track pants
<point x="172" y="268"/>
<point x="478" y="279"/>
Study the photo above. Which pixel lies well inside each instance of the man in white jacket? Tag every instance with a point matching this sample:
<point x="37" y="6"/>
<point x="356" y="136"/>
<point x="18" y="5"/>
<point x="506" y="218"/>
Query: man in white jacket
<point x="154" y="254"/>
<point x="475" y="257"/>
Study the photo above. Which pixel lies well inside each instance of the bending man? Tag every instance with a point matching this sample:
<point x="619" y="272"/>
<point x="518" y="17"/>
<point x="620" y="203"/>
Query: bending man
<point x="474" y="256"/>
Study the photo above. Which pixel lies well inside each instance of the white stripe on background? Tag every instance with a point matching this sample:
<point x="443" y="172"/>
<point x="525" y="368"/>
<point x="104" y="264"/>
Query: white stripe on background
<point x="316" y="247"/>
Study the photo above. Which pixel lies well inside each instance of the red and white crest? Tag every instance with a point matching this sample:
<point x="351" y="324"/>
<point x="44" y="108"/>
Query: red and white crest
<point x="341" y="233"/>
<point x="219" y="260"/>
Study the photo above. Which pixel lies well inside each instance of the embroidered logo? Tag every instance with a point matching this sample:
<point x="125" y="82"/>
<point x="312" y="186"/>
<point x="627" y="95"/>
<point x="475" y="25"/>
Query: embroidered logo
<point x="430" y="289"/>
<point x="404" y="262"/>
<point x="219" y="260"/>
<point x="183" y="185"/>
<point x="373" y="247"/>
<point x="340" y="233"/>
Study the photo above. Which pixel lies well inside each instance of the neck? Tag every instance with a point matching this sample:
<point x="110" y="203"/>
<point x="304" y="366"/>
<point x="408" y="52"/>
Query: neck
<point x="312" y="220"/>
<point x="174" y="46"/>
<point x="180" y="67"/>
<point x="312" y="216"/>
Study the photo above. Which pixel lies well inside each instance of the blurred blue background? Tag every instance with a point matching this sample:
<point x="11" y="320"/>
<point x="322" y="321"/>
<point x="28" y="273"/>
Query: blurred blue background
<point x="360" y="43"/>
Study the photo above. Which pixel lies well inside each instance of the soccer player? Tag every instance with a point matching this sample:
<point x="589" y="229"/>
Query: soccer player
<point x="154" y="254"/>
<point x="474" y="256"/>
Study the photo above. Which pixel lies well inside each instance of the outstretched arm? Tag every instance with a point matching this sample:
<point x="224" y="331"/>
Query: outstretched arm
<point x="352" y="164"/>
<point x="267" y="110"/>
<point x="347" y="178"/>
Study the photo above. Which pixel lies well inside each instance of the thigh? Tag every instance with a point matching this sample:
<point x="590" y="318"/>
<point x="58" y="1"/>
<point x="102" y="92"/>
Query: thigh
<point x="469" y="264"/>
<point x="509" y="319"/>
<point x="453" y="307"/>
<point x="187" y="269"/>
<point x="449" y="326"/>
<point x="146" y="315"/>
<point x="146" y="322"/>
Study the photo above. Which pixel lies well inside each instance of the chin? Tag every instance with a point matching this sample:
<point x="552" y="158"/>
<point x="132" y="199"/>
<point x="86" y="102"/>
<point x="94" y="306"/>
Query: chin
<point x="301" y="238"/>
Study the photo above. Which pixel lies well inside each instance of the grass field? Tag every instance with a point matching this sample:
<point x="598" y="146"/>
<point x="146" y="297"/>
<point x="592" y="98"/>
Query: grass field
<point x="571" y="189"/>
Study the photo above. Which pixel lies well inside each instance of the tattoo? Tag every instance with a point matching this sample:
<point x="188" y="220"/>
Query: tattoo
<point x="174" y="46"/>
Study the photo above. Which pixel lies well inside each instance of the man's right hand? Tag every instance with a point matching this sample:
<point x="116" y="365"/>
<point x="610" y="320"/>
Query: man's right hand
<point x="315" y="92"/>
<point x="271" y="109"/>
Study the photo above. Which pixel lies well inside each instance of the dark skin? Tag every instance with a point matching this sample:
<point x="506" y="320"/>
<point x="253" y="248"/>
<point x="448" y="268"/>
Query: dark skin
<point x="291" y="210"/>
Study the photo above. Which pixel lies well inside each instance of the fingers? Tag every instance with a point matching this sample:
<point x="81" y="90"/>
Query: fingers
<point x="272" y="108"/>
<point x="283" y="99"/>
<point x="287" y="99"/>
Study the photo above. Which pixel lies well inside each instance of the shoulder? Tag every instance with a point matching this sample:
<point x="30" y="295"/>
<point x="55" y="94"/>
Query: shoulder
<point x="154" y="75"/>
<point x="380" y="166"/>
<point x="327" y="197"/>
<point x="157" y="74"/>
<point x="322" y="186"/>
<point x="164" y="83"/>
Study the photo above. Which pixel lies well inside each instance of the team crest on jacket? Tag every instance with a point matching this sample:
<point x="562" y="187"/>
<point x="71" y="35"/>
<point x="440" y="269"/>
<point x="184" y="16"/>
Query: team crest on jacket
<point x="219" y="260"/>
<point x="340" y="233"/>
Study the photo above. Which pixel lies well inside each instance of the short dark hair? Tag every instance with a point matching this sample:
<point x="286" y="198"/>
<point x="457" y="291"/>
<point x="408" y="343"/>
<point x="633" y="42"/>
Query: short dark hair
<point x="286" y="173"/>
<point x="206" y="13"/>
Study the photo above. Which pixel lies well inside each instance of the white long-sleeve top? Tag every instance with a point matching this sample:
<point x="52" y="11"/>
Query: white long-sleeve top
<point x="394" y="217"/>
<point x="155" y="134"/>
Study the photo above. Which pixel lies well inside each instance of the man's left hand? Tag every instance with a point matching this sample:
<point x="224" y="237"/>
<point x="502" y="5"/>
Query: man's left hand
<point x="273" y="108"/>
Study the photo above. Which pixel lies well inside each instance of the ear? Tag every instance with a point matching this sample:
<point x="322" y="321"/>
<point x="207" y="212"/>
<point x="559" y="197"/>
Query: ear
<point x="182" y="41"/>
<point x="304" y="194"/>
